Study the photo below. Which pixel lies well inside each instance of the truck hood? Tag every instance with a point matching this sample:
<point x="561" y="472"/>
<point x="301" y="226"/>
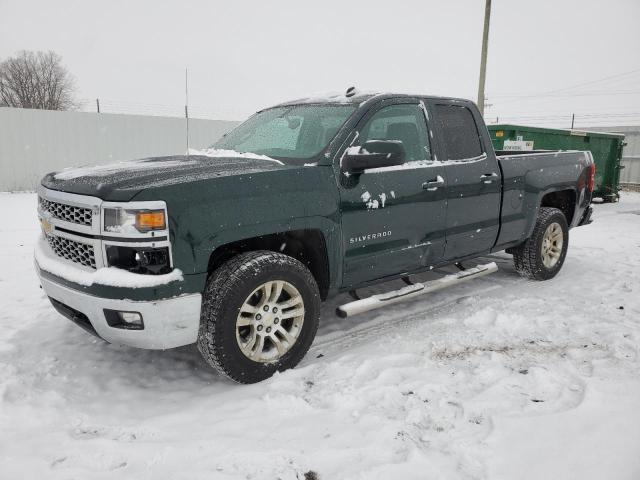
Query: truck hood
<point x="122" y="181"/>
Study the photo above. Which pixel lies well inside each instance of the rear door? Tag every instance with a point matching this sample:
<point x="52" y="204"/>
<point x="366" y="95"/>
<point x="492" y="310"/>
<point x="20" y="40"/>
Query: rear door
<point x="473" y="180"/>
<point x="392" y="218"/>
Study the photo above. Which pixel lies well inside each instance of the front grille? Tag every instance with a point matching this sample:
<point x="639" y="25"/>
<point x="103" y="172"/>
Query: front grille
<point x="68" y="213"/>
<point x="71" y="250"/>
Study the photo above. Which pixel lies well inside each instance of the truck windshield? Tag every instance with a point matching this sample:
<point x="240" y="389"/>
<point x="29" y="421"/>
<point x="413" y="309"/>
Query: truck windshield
<point x="291" y="134"/>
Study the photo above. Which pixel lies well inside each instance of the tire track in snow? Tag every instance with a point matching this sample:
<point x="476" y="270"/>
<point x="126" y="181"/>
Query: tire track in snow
<point x="329" y="343"/>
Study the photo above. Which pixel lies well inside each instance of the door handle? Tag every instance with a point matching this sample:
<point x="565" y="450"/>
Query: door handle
<point x="432" y="185"/>
<point x="489" y="177"/>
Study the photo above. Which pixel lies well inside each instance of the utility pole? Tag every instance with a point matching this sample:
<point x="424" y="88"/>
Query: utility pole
<point x="186" y="104"/>
<point x="98" y="104"/>
<point x="483" y="58"/>
<point x="573" y="119"/>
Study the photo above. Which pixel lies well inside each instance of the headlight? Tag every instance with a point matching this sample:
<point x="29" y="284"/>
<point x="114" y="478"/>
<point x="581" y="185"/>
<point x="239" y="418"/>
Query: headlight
<point x="148" y="260"/>
<point x="120" y="220"/>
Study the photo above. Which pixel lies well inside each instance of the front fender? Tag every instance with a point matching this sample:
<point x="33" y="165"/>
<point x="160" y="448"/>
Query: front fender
<point x="205" y="215"/>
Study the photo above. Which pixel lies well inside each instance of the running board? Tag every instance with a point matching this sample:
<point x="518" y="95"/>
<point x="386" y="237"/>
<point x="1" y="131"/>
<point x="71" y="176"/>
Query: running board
<point x="411" y="291"/>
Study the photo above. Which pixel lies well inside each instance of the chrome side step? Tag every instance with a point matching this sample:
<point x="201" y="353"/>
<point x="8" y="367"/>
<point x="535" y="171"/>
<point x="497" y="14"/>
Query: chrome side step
<point x="411" y="291"/>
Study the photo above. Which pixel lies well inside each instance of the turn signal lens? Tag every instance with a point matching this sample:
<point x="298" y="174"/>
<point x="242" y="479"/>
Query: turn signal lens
<point x="150" y="220"/>
<point x="591" y="175"/>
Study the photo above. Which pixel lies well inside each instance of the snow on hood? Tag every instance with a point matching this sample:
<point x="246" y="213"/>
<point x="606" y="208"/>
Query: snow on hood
<point x="102" y="170"/>
<point x="224" y="153"/>
<point x="144" y="164"/>
<point x="121" y="181"/>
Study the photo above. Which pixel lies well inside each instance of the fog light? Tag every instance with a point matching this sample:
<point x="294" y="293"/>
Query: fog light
<point x="131" y="317"/>
<point x="124" y="320"/>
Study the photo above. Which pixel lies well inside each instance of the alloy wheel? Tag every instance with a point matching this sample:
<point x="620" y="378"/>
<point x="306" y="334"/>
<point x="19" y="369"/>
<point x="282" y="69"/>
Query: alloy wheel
<point x="270" y="321"/>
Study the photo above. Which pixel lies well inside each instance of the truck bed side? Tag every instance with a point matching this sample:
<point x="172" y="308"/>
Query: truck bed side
<point x="531" y="178"/>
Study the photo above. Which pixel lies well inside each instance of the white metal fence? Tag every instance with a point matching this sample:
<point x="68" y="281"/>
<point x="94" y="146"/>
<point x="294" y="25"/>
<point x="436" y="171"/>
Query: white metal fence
<point x="630" y="174"/>
<point x="34" y="142"/>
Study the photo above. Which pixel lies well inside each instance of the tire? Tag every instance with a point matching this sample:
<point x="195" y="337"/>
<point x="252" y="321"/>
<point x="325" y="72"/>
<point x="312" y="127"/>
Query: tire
<point x="536" y="259"/>
<point x="235" y="298"/>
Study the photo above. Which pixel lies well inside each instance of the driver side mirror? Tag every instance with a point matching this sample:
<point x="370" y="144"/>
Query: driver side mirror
<point x="373" y="154"/>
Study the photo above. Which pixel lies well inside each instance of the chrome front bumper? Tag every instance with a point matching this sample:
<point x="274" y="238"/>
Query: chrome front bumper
<point x="168" y="323"/>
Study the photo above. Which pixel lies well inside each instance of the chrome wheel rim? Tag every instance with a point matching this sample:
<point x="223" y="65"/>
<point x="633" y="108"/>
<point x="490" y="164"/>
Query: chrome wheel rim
<point x="552" y="245"/>
<point x="270" y="321"/>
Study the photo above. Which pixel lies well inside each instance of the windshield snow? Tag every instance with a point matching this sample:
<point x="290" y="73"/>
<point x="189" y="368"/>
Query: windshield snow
<point x="290" y="133"/>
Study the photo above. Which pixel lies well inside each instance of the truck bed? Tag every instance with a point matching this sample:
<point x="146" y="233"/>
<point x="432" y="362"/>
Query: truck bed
<point x="529" y="175"/>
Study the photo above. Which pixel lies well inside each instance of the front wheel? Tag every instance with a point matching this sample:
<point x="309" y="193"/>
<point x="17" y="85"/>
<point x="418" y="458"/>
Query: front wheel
<point x="541" y="256"/>
<point x="260" y="314"/>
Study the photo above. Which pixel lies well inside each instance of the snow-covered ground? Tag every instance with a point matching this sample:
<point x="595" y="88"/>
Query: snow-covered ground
<point x="498" y="378"/>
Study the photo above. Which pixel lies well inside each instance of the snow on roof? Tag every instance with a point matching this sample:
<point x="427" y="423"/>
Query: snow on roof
<point x="361" y="97"/>
<point x="335" y="97"/>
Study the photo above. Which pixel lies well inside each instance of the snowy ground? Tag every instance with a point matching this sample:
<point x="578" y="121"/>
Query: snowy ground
<point x="499" y="378"/>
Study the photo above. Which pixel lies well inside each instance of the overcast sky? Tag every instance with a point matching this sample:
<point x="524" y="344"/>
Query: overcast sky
<point x="244" y="55"/>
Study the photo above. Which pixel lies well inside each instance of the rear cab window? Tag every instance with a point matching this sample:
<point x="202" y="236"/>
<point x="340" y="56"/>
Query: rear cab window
<point x="460" y="135"/>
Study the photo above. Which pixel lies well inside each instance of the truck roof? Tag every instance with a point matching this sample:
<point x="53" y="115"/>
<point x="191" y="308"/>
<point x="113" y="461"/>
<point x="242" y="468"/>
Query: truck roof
<point x="359" y="98"/>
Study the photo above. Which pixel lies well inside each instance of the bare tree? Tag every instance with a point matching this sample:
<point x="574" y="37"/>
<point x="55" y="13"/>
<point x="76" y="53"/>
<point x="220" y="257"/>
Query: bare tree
<point x="36" y="80"/>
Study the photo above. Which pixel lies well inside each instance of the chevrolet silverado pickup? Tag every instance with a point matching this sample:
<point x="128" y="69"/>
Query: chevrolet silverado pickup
<point x="235" y="247"/>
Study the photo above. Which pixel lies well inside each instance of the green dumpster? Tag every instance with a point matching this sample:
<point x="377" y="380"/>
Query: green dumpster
<point x="606" y="149"/>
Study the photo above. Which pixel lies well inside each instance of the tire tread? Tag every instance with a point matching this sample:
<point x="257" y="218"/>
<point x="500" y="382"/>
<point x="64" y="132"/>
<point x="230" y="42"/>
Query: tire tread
<point x="218" y="288"/>
<point x="526" y="256"/>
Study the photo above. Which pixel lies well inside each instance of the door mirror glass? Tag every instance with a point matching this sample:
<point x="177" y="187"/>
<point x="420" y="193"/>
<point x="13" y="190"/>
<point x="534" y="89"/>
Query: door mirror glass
<point x="374" y="154"/>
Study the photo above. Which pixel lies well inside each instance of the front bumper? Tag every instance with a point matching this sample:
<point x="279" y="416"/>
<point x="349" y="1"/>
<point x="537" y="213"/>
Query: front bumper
<point x="168" y="323"/>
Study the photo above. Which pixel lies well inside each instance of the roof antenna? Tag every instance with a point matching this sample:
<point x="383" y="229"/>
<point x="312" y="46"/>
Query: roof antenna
<point x="186" y="105"/>
<point x="351" y="91"/>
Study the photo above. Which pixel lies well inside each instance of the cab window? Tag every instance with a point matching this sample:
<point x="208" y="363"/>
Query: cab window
<point x="459" y="132"/>
<point x="405" y="123"/>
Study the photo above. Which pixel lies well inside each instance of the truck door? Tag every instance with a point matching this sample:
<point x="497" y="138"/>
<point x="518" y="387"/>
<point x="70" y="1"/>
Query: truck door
<point x="393" y="218"/>
<point x="473" y="180"/>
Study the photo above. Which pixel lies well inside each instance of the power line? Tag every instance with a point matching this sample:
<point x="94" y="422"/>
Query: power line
<point x="585" y="94"/>
<point x="578" y="85"/>
<point x="591" y="82"/>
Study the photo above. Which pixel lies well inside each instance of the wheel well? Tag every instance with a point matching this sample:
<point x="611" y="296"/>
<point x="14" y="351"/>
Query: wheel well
<point x="308" y="246"/>
<point x="564" y="200"/>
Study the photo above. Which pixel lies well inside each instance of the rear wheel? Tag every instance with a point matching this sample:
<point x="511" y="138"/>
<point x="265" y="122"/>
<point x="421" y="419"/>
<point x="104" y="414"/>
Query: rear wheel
<point x="260" y="314"/>
<point x="542" y="255"/>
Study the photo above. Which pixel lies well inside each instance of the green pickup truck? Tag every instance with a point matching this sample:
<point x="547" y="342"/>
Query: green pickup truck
<point x="235" y="247"/>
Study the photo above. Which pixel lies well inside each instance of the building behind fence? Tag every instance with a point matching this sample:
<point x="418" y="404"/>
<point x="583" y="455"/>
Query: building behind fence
<point x="35" y="142"/>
